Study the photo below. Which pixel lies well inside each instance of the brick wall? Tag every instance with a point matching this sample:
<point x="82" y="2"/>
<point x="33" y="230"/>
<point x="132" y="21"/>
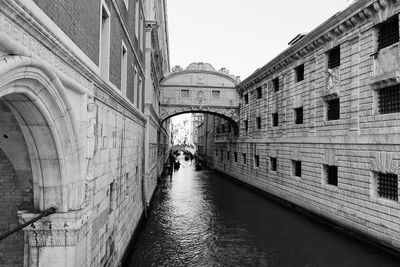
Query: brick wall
<point x="11" y="197"/>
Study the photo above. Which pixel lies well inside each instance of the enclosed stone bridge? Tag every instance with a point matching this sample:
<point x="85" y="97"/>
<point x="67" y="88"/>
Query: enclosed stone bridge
<point x="200" y="88"/>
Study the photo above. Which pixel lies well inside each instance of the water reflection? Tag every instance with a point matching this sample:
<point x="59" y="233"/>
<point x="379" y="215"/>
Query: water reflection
<point x="201" y="219"/>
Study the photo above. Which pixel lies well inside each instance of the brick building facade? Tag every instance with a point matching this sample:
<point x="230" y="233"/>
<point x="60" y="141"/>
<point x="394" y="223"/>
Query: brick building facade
<point x="319" y="124"/>
<point x="78" y="100"/>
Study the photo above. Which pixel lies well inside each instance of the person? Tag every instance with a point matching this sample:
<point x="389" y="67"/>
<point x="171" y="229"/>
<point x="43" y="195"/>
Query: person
<point x="171" y="161"/>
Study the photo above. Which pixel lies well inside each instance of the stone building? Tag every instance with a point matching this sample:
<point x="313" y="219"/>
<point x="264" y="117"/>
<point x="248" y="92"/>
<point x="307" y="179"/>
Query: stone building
<point x="79" y="101"/>
<point x="319" y="124"/>
<point x="206" y="134"/>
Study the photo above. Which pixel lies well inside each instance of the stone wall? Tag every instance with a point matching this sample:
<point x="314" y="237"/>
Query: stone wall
<point x="361" y="143"/>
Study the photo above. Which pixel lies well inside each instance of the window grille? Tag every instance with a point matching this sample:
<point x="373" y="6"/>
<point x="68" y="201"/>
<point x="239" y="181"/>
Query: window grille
<point x="333" y="109"/>
<point x="244" y="158"/>
<point x="216" y="94"/>
<point x="246" y="125"/>
<point x="276" y="84"/>
<point x="298" y="115"/>
<point x="387" y="185"/>
<point x="275" y="119"/>
<point x="185" y="93"/>
<point x="258" y="120"/>
<point x="272" y="161"/>
<point x="334" y="58"/>
<point x="331" y="173"/>
<point x="299" y="73"/>
<point x="389" y="99"/>
<point x="246" y="99"/>
<point x="296" y="167"/>
<point x="259" y="92"/>
<point x="388" y="32"/>
<point x="257" y="160"/>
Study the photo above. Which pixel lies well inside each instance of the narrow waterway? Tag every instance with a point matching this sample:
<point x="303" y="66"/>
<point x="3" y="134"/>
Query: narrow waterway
<point x="203" y="219"/>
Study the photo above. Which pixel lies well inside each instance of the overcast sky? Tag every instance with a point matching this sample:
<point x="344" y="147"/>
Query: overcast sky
<point x="240" y="35"/>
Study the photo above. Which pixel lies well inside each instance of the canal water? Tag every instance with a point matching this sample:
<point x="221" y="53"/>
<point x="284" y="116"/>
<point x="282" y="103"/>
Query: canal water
<point x="203" y="219"/>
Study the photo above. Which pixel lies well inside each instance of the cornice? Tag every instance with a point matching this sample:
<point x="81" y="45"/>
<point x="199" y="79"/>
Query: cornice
<point x="336" y="26"/>
<point x="183" y="72"/>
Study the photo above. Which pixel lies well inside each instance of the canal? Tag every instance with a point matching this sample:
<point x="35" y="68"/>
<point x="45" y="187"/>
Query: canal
<point x="203" y="219"/>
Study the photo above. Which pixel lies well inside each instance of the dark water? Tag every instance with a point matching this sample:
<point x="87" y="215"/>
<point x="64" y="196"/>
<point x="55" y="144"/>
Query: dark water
<point x="202" y="219"/>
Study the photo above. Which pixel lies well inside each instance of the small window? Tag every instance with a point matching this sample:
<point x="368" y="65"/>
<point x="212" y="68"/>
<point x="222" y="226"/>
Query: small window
<point x="222" y="154"/>
<point x="389" y="99"/>
<point x="258" y="122"/>
<point x="299" y="70"/>
<point x="334" y="58"/>
<point x="272" y="162"/>
<point x="388" y="32"/>
<point x="298" y="113"/>
<point x="216" y="94"/>
<point x="257" y="161"/>
<point x="259" y="93"/>
<point x="331" y="174"/>
<point x="275" y="119"/>
<point x="227" y="155"/>
<point x="235" y="156"/>
<point x="184" y="93"/>
<point x="244" y="158"/>
<point x="296" y="168"/>
<point x="246" y="99"/>
<point x="246" y="125"/>
<point x="387" y="185"/>
<point x="223" y="128"/>
<point x="275" y="83"/>
<point x="333" y="109"/>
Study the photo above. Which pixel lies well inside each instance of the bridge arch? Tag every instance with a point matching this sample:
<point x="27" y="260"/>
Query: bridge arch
<point x="200" y="88"/>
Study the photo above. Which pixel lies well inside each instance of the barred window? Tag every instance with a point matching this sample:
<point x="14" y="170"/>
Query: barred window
<point x="259" y="92"/>
<point x="296" y="168"/>
<point x="333" y="109"/>
<point x="389" y="99"/>
<point x="298" y="115"/>
<point x="222" y="154"/>
<point x="388" y="32"/>
<point x="275" y="119"/>
<point x="387" y="185"/>
<point x="244" y="158"/>
<point x="299" y="70"/>
<point x="235" y="156"/>
<point x="258" y="121"/>
<point x="246" y="98"/>
<point x="184" y="93"/>
<point x="216" y="94"/>
<point x="272" y="162"/>
<point x="275" y="82"/>
<point x="257" y="160"/>
<point x="227" y="155"/>
<point x="246" y="125"/>
<point x="331" y="174"/>
<point x="334" y="58"/>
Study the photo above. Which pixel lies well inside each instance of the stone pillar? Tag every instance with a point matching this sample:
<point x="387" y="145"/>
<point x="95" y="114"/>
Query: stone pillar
<point x="57" y="240"/>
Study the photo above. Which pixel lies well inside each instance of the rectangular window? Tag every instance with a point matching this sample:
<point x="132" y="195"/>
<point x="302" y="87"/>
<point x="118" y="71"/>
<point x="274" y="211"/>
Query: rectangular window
<point x="275" y="83"/>
<point x="223" y="128"/>
<point x="235" y="156"/>
<point x="184" y="93"/>
<point x="216" y="94"/>
<point x="257" y="161"/>
<point x="331" y="174"/>
<point x="388" y="32"/>
<point x="258" y="122"/>
<point x="246" y="99"/>
<point x="275" y="119"/>
<point x="222" y="155"/>
<point x="296" y="168"/>
<point x="333" y="109"/>
<point x="227" y="155"/>
<point x="141" y="39"/>
<point x="259" y="92"/>
<point x="298" y="113"/>
<point x="299" y="70"/>
<point x="334" y="58"/>
<point x="124" y="69"/>
<point x="272" y="162"/>
<point x="105" y="42"/>
<point x="244" y="158"/>
<point x="135" y="85"/>
<point x="140" y="95"/>
<point x="246" y="125"/>
<point x="389" y="99"/>
<point x="387" y="185"/>
<point x="137" y="19"/>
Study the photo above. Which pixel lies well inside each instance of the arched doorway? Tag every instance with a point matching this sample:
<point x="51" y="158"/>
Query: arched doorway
<point x="39" y="150"/>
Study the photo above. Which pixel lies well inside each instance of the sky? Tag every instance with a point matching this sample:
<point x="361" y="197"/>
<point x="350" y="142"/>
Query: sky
<point x="240" y="35"/>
